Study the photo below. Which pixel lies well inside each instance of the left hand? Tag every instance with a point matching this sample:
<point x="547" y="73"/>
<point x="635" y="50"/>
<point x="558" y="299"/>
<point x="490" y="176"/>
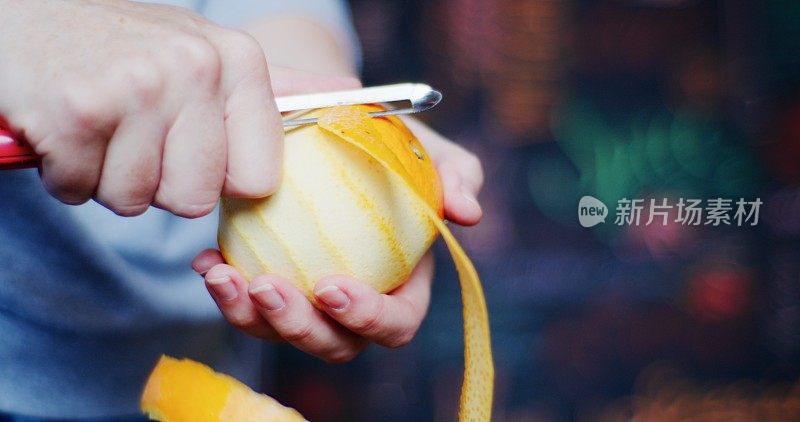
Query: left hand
<point x="351" y="314"/>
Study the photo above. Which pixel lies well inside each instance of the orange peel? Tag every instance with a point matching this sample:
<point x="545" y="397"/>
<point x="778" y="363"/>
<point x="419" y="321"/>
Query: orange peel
<point x="182" y="390"/>
<point x="477" y="389"/>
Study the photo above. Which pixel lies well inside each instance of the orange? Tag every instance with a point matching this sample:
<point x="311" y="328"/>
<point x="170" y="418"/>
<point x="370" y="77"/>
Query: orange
<point x="337" y="210"/>
<point x="360" y="196"/>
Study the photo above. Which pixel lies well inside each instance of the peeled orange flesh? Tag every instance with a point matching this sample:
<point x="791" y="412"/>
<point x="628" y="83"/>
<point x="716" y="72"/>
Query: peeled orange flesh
<point x="359" y="197"/>
<point x="187" y="391"/>
<point x="337" y="210"/>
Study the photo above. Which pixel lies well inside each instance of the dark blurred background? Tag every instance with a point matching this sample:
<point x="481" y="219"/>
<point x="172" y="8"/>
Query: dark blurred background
<point x="625" y="98"/>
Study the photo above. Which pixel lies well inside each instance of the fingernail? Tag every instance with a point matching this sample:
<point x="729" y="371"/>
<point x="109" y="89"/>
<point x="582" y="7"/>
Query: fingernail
<point x="267" y="296"/>
<point x="333" y="297"/>
<point x="223" y="288"/>
<point x="467" y="194"/>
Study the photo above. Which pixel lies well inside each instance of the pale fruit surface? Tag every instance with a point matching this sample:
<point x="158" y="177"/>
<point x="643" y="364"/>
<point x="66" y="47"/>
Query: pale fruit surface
<point x="188" y="391"/>
<point x="338" y="211"/>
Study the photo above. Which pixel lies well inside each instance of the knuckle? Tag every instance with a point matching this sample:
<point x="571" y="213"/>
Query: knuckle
<point x="144" y="82"/>
<point x="82" y="108"/>
<point x="246" y="51"/>
<point x="297" y="333"/>
<point x="199" y="58"/>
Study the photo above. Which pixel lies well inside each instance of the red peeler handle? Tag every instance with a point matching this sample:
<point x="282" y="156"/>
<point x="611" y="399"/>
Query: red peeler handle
<point x="15" y="153"/>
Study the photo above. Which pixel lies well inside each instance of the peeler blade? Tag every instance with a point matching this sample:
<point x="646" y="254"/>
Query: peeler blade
<point x="420" y="97"/>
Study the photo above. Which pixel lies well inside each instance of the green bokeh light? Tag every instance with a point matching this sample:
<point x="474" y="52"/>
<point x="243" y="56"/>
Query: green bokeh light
<point x="660" y="153"/>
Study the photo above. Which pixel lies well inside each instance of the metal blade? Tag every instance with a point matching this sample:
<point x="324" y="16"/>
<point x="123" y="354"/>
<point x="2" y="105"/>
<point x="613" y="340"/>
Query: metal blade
<point x="420" y="96"/>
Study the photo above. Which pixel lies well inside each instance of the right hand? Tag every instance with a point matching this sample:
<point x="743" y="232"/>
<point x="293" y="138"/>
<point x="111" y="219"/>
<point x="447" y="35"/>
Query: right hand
<point x="137" y="105"/>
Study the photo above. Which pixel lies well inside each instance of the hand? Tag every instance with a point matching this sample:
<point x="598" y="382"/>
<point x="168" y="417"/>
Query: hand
<point x="351" y="314"/>
<point x="136" y="104"/>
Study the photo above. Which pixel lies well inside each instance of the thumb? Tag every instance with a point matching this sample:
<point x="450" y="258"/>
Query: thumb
<point x="288" y="81"/>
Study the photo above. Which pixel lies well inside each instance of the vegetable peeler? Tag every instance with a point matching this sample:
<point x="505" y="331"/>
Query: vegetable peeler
<point x="15" y="153"/>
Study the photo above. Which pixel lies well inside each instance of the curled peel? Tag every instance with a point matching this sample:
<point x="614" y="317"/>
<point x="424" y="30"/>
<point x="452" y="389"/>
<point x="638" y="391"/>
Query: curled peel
<point x="355" y="127"/>
<point x="182" y="390"/>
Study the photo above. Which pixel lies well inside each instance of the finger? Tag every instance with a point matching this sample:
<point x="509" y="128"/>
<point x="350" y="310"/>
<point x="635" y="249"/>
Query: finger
<point x="74" y="146"/>
<point x="71" y="166"/>
<point x="298" y="322"/>
<point x="460" y="203"/>
<point x="252" y="122"/>
<point x="193" y="163"/>
<point x="229" y="291"/>
<point x="132" y="166"/>
<point x="286" y="81"/>
<point x="205" y="260"/>
<point x="391" y="320"/>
